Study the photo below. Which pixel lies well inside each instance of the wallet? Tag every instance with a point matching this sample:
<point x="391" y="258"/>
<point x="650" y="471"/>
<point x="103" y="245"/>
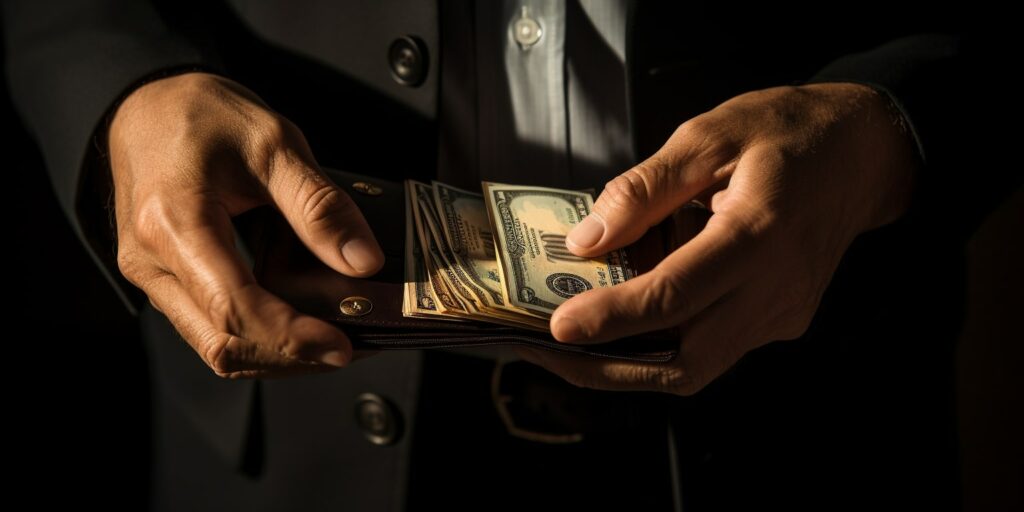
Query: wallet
<point x="369" y="310"/>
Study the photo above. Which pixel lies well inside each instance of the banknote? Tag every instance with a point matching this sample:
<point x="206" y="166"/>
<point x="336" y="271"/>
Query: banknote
<point x="530" y="226"/>
<point x="478" y="301"/>
<point x="444" y="299"/>
<point x="467" y="231"/>
<point x="499" y="256"/>
<point x="419" y="299"/>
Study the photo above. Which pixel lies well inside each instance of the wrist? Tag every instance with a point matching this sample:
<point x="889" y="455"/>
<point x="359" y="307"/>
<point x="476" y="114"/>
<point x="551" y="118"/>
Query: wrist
<point x="882" y="152"/>
<point x="898" y="161"/>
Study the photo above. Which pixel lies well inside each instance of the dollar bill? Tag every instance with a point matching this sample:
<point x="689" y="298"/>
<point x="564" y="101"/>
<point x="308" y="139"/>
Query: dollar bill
<point x="451" y="271"/>
<point x="419" y="299"/>
<point x="530" y="227"/>
<point x="467" y="231"/>
<point x="444" y="300"/>
<point x="497" y="257"/>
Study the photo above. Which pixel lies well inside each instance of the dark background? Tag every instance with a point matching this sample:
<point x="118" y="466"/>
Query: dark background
<point x="80" y="391"/>
<point x="81" y="395"/>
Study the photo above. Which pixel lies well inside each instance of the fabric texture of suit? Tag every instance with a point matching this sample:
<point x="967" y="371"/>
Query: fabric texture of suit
<point x="792" y="422"/>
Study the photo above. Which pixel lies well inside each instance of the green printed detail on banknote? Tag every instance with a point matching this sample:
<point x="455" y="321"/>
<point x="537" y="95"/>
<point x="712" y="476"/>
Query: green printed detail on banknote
<point x="499" y="256"/>
<point x="531" y="226"/>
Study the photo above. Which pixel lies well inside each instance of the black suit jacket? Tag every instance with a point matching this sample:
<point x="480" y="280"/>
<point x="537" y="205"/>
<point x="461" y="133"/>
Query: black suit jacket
<point x="769" y="431"/>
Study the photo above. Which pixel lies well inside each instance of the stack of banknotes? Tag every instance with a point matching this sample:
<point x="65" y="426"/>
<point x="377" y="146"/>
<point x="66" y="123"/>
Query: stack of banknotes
<point x="500" y="256"/>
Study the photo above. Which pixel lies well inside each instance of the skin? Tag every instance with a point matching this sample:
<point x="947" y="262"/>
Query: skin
<point x="188" y="153"/>
<point x="792" y="176"/>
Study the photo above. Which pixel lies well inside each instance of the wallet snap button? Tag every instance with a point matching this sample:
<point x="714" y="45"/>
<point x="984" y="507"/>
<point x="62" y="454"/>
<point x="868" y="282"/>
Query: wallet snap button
<point x="356" y="306"/>
<point x="367" y="188"/>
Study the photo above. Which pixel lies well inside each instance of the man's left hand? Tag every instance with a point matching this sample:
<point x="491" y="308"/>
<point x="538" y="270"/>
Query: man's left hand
<point x="792" y="176"/>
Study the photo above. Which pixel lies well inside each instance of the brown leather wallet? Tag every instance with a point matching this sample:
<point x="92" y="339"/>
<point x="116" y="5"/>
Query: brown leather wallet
<point x="370" y="309"/>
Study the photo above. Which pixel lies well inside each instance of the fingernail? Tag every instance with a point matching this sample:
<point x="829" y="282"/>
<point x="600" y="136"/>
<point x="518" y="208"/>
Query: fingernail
<point x="587" y="233"/>
<point x="334" y="358"/>
<point x="362" y="254"/>
<point x="568" y="329"/>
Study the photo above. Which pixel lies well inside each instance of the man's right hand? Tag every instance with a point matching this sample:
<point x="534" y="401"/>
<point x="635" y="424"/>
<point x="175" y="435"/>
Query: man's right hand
<point x="188" y="153"/>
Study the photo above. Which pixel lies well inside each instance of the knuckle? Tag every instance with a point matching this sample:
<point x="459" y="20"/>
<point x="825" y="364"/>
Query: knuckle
<point x="192" y="84"/>
<point x="632" y="189"/>
<point x="673" y="380"/>
<point x="323" y="208"/>
<point x="657" y="377"/>
<point x="274" y="130"/>
<point x="666" y="297"/>
<point x="682" y="379"/>
<point x="704" y="137"/>
<point x="222" y="354"/>
<point x="793" y="309"/>
<point x="222" y="309"/>
<point x="740" y="230"/>
<point x="128" y="264"/>
<point x="291" y="348"/>
<point x="695" y="128"/>
<point x="153" y="217"/>
<point x="700" y="364"/>
<point x="270" y="143"/>
<point x="139" y="271"/>
<point x="283" y="342"/>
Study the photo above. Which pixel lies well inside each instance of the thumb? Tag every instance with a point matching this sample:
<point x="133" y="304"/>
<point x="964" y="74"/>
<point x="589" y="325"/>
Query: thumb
<point x="686" y="282"/>
<point x="323" y="216"/>
<point x="644" y="195"/>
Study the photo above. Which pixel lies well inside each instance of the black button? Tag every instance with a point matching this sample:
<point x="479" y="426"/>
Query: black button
<point x="407" y="57"/>
<point x="379" y="420"/>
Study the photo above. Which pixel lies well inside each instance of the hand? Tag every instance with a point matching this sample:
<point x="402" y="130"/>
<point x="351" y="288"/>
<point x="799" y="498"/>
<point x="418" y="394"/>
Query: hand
<point x="792" y="175"/>
<point x="188" y="153"/>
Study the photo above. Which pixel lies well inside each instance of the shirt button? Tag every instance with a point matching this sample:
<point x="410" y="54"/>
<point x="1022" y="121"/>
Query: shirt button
<point x="526" y="30"/>
<point x="378" y="419"/>
<point x="407" y="57"/>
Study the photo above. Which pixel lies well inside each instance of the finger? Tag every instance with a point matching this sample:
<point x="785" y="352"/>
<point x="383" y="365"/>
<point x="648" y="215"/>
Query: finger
<point x="683" y="284"/>
<point x="322" y="214"/>
<point x="198" y="248"/>
<point x="692" y="160"/>
<point x="226" y="354"/>
<point x="708" y="348"/>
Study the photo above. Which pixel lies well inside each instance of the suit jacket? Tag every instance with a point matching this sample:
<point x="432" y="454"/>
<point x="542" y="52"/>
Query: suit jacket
<point x="761" y="434"/>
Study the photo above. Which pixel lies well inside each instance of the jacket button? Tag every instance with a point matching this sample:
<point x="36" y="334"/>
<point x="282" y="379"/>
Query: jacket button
<point x="378" y="419"/>
<point x="407" y="57"/>
<point x="368" y="189"/>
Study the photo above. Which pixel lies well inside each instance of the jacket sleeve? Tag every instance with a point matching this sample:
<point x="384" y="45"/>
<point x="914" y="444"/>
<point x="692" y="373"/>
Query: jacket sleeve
<point x="68" y="65"/>
<point x="948" y="91"/>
